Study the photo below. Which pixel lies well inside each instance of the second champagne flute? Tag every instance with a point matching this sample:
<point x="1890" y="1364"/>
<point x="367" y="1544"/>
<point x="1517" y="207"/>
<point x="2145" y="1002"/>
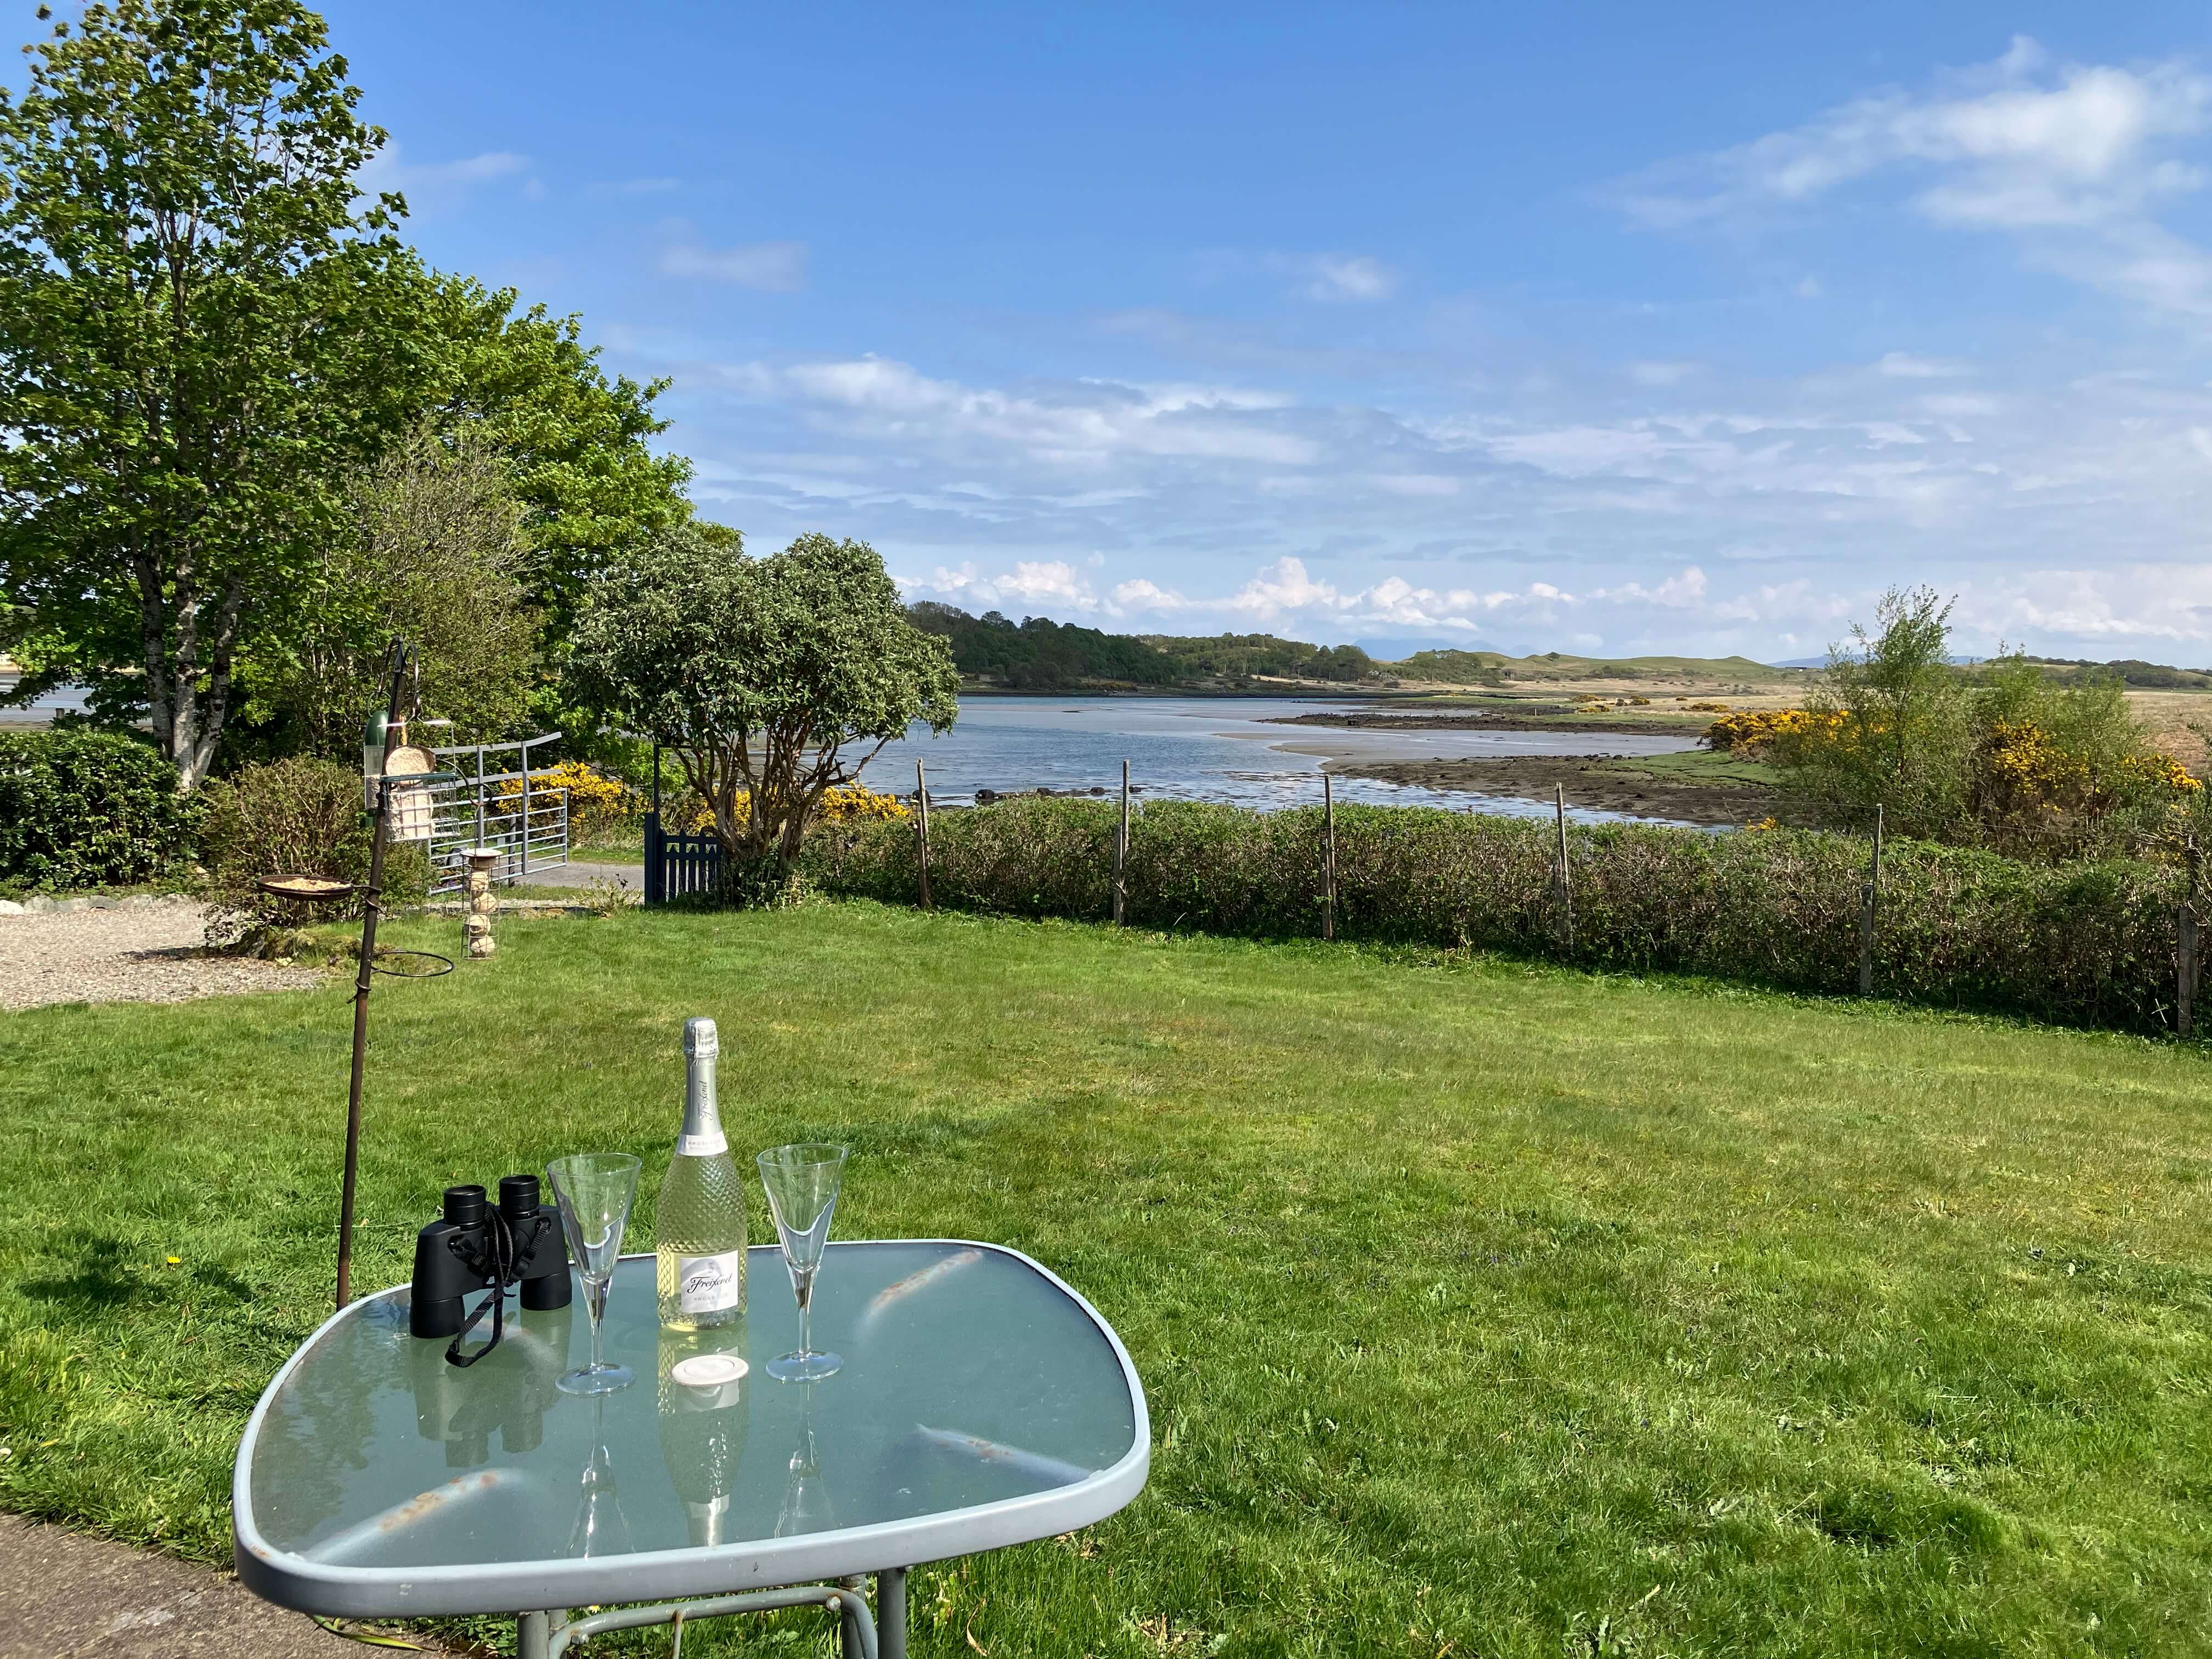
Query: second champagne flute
<point x="802" y="1184"/>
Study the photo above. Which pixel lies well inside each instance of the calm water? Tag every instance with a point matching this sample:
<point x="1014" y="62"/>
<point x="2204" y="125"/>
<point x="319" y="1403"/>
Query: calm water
<point x="1203" y="749"/>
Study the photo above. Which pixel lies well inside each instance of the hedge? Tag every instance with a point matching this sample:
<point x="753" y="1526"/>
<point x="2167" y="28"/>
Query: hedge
<point x="83" y="809"/>
<point x="2087" y="944"/>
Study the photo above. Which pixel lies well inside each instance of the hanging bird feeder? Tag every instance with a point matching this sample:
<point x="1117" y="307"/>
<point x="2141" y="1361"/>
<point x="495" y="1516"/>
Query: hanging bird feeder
<point x="388" y="759"/>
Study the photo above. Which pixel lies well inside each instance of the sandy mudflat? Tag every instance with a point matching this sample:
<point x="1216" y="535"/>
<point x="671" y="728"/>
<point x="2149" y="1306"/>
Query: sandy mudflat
<point x="1600" y="782"/>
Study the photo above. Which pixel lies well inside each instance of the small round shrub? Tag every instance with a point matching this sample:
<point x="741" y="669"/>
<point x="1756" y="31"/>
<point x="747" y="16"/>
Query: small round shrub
<point x="302" y="816"/>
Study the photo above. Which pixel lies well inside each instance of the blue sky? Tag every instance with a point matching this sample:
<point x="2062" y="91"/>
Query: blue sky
<point x="1599" y="328"/>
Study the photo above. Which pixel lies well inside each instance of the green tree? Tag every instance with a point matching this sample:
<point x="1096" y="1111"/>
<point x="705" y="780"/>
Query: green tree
<point x="433" y="552"/>
<point x="766" y="677"/>
<point x="202" y="331"/>
<point x="575" y="444"/>
<point x="1900" y="735"/>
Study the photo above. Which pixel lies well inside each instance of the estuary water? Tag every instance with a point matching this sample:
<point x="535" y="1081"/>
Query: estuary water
<point x="1213" y="749"/>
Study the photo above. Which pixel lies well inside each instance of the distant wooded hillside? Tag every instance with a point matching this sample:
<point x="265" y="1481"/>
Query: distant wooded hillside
<point x="1040" y="655"/>
<point x="1242" y="656"/>
<point x="1494" y="668"/>
<point x="2144" y="675"/>
<point x="1037" y="654"/>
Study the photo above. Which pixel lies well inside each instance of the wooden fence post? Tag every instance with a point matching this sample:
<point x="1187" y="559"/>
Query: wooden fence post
<point x="1566" y="873"/>
<point x="1327" y="857"/>
<point x="1868" y="893"/>
<point x="1121" y="855"/>
<point x="2184" y="951"/>
<point x="921" y="827"/>
<point x="2184" y="971"/>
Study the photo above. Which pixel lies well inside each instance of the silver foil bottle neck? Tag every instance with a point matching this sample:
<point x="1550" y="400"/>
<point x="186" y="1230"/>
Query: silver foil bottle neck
<point x="702" y="1116"/>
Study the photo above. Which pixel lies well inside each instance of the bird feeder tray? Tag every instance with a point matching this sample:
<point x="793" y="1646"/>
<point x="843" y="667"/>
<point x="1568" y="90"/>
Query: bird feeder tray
<point x="308" y="890"/>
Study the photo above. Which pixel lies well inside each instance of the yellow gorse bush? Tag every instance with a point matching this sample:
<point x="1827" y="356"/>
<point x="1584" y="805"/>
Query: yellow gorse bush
<point x="1753" y="732"/>
<point x="853" y="803"/>
<point x="2159" y="767"/>
<point x="593" y="797"/>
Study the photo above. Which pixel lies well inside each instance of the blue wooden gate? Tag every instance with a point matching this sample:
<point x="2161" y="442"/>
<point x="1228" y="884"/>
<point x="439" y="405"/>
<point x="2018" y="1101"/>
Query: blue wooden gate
<point x="676" y="865"/>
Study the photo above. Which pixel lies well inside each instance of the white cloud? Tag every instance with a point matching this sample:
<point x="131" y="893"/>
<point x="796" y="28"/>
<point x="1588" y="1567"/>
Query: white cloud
<point x="1903" y="365"/>
<point x="436" y="186"/>
<point x="2073" y="158"/>
<point x="1086" y="422"/>
<point x="1355" y="278"/>
<point x="779" y="267"/>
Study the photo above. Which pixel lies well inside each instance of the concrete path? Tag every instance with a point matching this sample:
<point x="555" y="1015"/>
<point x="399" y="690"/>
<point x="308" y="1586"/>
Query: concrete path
<point x="66" y="1596"/>
<point x="582" y="874"/>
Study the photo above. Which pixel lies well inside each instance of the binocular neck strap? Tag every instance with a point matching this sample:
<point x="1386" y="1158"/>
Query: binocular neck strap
<point x="499" y="1244"/>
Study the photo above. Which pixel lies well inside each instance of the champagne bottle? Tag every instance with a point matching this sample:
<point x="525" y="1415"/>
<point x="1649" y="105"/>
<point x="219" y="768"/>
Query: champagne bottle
<point x="700" y="1239"/>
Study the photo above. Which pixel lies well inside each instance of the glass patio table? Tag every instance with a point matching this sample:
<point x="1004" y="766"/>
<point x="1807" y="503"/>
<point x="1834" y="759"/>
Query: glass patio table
<point x="982" y="1403"/>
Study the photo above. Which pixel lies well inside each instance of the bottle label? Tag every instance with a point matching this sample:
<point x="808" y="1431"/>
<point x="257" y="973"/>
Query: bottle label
<point x="702" y="1146"/>
<point x="708" y="1284"/>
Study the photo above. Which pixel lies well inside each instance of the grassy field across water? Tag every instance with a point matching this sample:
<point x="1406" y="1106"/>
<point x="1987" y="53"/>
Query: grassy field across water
<point x="1483" y="1309"/>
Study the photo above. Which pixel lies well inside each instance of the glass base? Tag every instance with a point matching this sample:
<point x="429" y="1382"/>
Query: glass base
<point x="604" y="1379"/>
<point x="803" y="1366"/>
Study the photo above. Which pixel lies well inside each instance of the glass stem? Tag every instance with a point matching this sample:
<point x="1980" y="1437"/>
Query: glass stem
<point x="595" y="1303"/>
<point x="805" y="1290"/>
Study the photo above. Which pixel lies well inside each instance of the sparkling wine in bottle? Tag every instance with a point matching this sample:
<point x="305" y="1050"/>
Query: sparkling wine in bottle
<point x="701" y="1235"/>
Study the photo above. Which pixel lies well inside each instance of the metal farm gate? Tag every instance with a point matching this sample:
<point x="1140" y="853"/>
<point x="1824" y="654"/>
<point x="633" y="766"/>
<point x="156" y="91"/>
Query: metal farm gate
<point x="487" y="808"/>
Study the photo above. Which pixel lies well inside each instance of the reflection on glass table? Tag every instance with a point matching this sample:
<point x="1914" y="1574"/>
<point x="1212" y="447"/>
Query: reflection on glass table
<point x="980" y="1403"/>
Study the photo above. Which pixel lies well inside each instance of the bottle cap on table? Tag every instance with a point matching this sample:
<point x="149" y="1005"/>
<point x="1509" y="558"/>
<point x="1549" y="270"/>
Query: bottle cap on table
<point x="707" y="1370"/>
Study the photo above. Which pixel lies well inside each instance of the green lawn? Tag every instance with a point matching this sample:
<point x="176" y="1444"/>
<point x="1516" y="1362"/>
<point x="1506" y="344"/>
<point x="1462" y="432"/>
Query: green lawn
<point x="1483" y="1309"/>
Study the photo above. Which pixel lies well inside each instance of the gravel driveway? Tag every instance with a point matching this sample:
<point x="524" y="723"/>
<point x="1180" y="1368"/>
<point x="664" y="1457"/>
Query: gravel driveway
<point x="135" y="952"/>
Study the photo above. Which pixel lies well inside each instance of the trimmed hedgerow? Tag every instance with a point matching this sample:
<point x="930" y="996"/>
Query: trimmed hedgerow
<point x="2084" y="944"/>
<point x="87" y="809"/>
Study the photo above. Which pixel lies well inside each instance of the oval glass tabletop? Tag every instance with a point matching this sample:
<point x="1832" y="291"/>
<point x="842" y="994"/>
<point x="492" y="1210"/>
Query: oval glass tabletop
<point x="983" y="1402"/>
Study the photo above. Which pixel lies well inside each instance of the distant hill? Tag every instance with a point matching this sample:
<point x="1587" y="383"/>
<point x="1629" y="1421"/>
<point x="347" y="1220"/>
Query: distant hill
<point x="1040" y="655"/>
<point x="1494" y="668"/>
<point x="2143" y="676"/>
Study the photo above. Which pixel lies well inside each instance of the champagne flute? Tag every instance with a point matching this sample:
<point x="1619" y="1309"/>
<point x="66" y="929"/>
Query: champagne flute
<point x="802" y="1184"/>
<point x="596" y="1190"/>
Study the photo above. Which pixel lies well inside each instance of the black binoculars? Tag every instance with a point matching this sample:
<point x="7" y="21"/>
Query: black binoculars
<point x="472" y="1247"/>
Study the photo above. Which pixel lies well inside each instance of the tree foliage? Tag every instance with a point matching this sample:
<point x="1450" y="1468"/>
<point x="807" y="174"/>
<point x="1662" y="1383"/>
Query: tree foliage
<point x="1038" y="654"/>
<point x="201" y="329"/>
<point x="766" y="677"/>
<point x="1241" y="656"/>
<point x="1893" y="716"/>
<point x="431" y="551"/>
<point x="2003" y="755"/>
<point x="524" y="387"/>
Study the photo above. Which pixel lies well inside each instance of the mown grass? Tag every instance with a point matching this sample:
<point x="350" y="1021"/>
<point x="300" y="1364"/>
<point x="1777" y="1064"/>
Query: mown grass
<point x="1483" y="1308"/>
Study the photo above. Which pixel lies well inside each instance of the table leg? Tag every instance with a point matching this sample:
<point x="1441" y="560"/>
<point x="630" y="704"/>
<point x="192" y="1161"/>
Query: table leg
<point x="891" y="1614"/>
<point x="533" y="1631"/>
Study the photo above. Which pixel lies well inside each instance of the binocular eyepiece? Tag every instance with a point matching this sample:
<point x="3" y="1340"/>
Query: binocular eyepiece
<point x="473" y="1247"/>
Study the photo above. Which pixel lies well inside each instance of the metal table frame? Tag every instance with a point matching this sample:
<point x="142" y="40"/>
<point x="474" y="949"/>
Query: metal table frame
<point x="751" y="1575"/>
